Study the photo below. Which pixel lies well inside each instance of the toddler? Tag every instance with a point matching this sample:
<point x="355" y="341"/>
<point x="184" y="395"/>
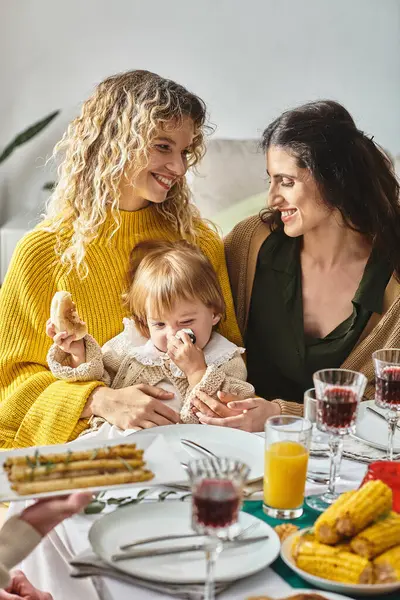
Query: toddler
<point x="175" y="302"/>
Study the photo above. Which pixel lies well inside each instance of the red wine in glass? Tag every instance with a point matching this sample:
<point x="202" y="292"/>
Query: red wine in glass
<point x="337" y="410"/>
<point x="387" y="391"/>
<point x="216" y="503"/>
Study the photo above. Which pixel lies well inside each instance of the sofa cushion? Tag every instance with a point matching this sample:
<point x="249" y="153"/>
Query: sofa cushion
<point x="230" y="171"/>
<point x="227" y="218"/>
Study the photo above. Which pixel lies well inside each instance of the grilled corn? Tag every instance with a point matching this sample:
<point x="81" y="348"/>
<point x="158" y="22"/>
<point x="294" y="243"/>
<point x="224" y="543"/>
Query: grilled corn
<point x="325" y="525"/>
<point x="387" y="566"/>
<point x="330" y="563"/>
<point x="378" y="538"/>
<point x="371" y="501"/>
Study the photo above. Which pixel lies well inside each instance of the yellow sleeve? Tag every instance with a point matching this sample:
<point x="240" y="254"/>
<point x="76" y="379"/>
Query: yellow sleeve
<point x="35" y="409"/>
<point x="213" y="247"/>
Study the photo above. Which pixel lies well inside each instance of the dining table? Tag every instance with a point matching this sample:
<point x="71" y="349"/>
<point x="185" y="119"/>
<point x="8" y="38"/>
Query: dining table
<point x="49" y="568"/>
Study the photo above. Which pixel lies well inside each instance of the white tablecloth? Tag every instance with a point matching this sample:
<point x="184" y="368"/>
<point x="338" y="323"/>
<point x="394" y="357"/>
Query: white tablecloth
<point x="47" y="567"/>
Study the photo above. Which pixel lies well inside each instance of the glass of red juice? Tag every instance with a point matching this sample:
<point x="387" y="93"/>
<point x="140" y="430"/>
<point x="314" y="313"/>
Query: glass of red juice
<point x="389" y="473"/>
<point x="338" y="393"/>
<point x="387" y="389"/>
<point x="217" y="491"/>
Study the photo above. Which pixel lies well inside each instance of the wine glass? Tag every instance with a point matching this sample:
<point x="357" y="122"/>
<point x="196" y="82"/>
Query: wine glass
<point x="338" y="392"/>
<point x="387" y="388"/>
<point x="217" y="491"/>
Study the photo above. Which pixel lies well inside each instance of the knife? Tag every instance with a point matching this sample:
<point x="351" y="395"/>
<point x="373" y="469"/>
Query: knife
<point x="178" y="549"/>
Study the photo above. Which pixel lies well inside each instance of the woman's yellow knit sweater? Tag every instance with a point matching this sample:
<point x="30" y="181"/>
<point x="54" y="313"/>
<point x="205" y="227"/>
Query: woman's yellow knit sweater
<point x="35" y="408"/>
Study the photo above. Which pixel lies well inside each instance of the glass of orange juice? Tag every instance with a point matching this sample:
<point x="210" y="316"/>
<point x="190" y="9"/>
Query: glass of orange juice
<point x="287" y="445"/>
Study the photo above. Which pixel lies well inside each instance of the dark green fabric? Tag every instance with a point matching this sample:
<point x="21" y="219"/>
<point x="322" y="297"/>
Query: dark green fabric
<point x="306" y="520"/>
<point x="281" y="359"/>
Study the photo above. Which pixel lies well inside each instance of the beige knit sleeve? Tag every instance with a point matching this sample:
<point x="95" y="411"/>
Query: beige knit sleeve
<point x="229" y="377"/>
<point x="17" y="540"/>
<point x="91" y="370"/>
<point x="289" y="408"/>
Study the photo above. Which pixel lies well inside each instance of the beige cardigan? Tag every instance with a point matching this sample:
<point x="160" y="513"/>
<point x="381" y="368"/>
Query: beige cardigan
<point x="119" y="364"/>
<point x="17" y="539"/>
<point x="242" y="246"/>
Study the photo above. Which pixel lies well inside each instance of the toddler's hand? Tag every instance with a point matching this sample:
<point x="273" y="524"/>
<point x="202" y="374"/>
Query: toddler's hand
<point x="186" y="355"/>
<point x="67" y="343"/>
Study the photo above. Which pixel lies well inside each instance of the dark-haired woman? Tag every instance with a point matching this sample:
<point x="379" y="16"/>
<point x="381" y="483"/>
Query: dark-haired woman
<point x="315" y="276"/>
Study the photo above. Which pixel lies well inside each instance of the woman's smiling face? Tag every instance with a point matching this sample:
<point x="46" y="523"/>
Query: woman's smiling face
<point x="294" y="192"/>
<point x="167" y="162"/>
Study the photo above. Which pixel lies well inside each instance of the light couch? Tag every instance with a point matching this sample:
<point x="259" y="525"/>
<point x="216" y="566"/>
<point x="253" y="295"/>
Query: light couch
<point x="229" y="185"/>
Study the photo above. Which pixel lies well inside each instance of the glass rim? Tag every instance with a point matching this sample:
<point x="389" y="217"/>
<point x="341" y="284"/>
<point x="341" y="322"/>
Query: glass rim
<point x="219" y="467"/>
<point x="338" y="370"/>
<point x="308" y="396"/>
<point x="374" y="354"/>
<point x="286" y="428"/>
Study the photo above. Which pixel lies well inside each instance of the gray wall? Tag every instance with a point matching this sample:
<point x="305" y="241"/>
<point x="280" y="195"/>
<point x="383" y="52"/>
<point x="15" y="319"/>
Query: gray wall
<point x="249" y="59"/>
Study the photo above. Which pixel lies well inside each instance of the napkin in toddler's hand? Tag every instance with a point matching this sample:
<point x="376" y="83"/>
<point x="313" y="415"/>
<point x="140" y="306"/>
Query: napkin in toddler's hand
<point x="87" y="564"/>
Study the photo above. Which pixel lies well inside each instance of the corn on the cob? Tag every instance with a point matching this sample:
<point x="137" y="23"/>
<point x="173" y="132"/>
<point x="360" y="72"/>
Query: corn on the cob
<point x="372" y="500"/>
<point x="344" y="547"/>
<point x="387" y="566"/>
<point x="378" y="538"/>
<point x="325" y="525"/>
<point x="308" y="536"/>
<point x="330" y="563"/>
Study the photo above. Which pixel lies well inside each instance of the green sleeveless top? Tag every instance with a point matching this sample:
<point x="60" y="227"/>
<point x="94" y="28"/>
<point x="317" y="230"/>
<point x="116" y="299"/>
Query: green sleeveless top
<point x="281" y="358"/>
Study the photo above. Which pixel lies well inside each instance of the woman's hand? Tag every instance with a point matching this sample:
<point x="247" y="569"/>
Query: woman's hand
<point x="248" y="415"/>
<point x="20" y="588"/>
<point x="49" y="512"/>
<point x="134" y="406"/>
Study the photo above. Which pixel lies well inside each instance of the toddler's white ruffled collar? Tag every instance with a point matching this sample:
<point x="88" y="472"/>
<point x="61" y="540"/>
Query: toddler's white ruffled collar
<point x="217" y="352"/>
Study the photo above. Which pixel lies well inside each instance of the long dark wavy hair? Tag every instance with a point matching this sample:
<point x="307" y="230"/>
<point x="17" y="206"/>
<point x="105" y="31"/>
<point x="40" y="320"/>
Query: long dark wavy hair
<point x="352" y="172"/>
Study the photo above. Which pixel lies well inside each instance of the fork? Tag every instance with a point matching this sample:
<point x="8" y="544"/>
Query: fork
<point x="163" y="538"/>
<point x="198" y="447"/>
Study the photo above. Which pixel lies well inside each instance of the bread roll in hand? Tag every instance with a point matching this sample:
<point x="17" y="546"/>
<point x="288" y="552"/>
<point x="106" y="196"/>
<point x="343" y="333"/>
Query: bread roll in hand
<point x="64" y="316"/>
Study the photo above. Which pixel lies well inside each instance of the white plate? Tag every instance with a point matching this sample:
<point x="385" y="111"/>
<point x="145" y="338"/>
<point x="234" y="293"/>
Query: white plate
<point x="159" y="457"/>
<point x="328" y="595"/>
<point x="372" y="430"/>
<point x="360" y="589"/>
<point x="127" y="524"/>
<point x="223" y="441"/>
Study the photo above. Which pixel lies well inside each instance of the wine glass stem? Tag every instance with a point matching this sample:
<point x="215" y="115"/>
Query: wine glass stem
<point x="392" y="418"/>
<point x="335" y="451"/>
<point x="214" y="547"/>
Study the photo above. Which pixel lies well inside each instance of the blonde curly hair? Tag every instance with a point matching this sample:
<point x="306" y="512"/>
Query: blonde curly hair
<point x="115" y="130"/>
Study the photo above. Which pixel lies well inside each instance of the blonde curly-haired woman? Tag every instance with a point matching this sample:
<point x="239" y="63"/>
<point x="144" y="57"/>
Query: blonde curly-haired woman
<point x="121" y="181"/>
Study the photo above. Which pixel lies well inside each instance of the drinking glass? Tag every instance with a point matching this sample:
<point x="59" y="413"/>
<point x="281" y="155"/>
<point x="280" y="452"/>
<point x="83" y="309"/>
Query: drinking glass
<point x="217" y="491"/>
<point x="387" y="388"/>
<point x="315" y="473"/>
<point x="287" y="444"/>
<point x="339" y="392"/>
<point x="388" y="472"/>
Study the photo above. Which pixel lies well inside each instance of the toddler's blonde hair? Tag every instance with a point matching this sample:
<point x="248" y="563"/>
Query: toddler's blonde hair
<point x="163" y="272"/>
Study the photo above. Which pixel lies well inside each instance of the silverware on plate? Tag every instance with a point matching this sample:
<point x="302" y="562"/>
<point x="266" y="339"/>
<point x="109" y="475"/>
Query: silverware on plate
<point x="378" y="414"/>
<point x="237" y="543"/>
<point x="163" y="538"/>
<point x="198" y="447"/>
